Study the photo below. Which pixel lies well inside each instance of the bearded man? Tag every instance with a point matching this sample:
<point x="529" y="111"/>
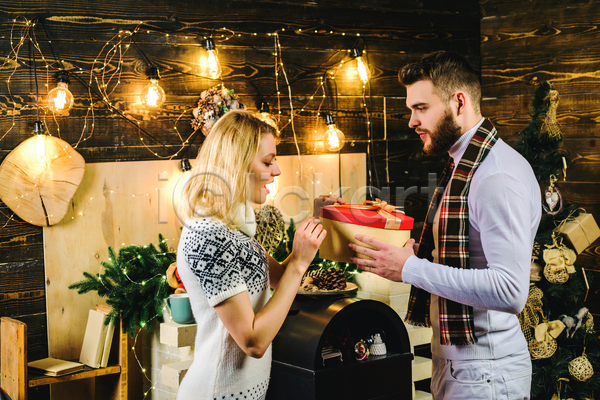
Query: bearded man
<point x="470" y="276"/>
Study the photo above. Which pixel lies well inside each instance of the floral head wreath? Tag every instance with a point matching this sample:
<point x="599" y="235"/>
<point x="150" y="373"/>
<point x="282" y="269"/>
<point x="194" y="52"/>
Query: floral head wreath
<point x="213" y="104"/>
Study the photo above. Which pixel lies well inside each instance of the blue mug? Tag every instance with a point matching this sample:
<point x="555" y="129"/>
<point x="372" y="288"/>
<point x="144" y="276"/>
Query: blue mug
<point x="180" y="308"/>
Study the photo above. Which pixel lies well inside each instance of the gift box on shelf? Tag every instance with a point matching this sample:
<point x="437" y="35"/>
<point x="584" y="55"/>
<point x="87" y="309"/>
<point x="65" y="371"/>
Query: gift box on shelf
<point x="376" y="219"/>
<point x="579" y="232"/>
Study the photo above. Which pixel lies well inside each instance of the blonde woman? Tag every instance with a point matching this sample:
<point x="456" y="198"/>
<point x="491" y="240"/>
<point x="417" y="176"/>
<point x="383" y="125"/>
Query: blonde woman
<point x="225" y="271"/>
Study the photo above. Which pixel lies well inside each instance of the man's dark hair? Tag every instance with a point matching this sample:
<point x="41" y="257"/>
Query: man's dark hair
<point x="448" y="72"/>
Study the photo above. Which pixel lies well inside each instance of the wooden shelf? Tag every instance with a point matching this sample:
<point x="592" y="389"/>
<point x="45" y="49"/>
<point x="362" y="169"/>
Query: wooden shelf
<point x="121" y="383"/>
<point x="39" y="380"/>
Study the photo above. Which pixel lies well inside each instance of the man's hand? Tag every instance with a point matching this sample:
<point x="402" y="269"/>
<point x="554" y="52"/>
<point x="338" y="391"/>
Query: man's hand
<point x="387" y="260"/>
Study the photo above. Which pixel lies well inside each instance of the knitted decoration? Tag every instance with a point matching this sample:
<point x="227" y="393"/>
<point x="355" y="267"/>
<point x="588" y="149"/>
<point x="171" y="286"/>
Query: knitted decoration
<point x="543" y="345"/>
<point x="559" y="263"/>
<point x="529" y="317"/>
<point x="270" y="228"/>
<point x="544" y="349"/>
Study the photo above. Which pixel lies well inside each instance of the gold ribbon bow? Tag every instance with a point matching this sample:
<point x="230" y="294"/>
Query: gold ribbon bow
<point x="382" y="208"/>
<point x="551" y="328"/>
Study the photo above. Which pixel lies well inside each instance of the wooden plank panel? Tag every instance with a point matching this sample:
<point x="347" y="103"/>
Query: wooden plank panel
<point x="554" y="44"/>
<point x="582" y="194"/>
<point x="37" y="335"/>
<point x="19" y="241"/>
<point x="507" y="8"/>
<point x="22" y="288"/>
<point x="100" y="23"/>
<point x="112" y="130"/>
<point x="577" y="114"/>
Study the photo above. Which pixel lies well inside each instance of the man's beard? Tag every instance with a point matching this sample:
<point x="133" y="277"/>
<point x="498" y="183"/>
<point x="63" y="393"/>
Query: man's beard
<point x="444" y="135"/>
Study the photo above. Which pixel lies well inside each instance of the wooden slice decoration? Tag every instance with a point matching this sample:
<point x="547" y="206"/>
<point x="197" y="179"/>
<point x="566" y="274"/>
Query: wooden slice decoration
<point x="39" y="179"/>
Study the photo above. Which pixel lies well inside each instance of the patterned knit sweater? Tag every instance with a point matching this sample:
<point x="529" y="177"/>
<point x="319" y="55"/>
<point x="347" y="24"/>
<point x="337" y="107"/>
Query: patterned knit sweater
<point x="216" y="263"/>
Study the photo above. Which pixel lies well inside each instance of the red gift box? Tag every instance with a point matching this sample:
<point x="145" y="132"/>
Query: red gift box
<point x="369" y="214"/>
<point x="376" y="219"/>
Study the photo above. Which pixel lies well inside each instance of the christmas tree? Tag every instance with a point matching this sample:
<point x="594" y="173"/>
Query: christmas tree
<point x="134" y="282"/>
<point x="559" y="329"/>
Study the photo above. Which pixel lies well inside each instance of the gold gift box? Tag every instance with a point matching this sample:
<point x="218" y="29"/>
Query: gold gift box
<point x="580" y="232"/>
<point x="343" y="222"/>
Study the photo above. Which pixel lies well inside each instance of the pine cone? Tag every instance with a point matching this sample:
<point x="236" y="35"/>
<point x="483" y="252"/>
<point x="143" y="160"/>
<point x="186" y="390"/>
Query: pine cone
<point x="317" y="274"/>
<point x="332" y="279"/>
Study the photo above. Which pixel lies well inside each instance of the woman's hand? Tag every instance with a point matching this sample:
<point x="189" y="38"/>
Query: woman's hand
<point x="309" y="236"/>
<point x="326" y="200"/>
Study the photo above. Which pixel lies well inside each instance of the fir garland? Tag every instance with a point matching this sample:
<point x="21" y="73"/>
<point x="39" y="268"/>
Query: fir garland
<point x="134" y="284"/>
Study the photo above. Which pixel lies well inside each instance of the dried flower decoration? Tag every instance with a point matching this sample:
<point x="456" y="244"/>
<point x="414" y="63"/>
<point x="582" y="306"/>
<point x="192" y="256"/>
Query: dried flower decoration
<point x="213" y="104"/>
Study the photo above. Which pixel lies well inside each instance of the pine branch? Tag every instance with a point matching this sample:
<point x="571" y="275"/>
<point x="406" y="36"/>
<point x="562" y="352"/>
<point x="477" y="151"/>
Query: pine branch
<point x="134" y="283"/>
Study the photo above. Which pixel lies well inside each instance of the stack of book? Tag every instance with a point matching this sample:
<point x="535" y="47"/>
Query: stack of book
<point x="54" y="366"/>
<point x="98" y="339"/>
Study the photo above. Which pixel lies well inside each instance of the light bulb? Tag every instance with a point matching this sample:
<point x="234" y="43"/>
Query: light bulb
<point x="152" y="96"/>
<point x="334" y="138"/>
<point x="60" y="99"/>
<point x="40" y="142"/>
<point x="213" y="66"/>
<point x="363" y="70"/>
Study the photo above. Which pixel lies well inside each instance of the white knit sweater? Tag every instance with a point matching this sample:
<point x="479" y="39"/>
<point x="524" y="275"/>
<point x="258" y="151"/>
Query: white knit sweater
<point x="216" y="263"/>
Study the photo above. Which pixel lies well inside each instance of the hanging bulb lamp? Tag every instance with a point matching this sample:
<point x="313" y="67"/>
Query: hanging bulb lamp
<point x="334" y="138"/>
<point x="152" y="95"/>
<point x="212" y="68"/>
<point x="264" y="110"/>
<point x="60" y="99"/>
<point x="265" y="115"/>
<point x="40" y="136"/>
<point x="185" y="165"/>
<point x="363" y="69"/>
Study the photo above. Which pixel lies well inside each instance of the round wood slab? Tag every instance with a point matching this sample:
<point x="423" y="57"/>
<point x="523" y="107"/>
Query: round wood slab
<point x="40" y="192"/>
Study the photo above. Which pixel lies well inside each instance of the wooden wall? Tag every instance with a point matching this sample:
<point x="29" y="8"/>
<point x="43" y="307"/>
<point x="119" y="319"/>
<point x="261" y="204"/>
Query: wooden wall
<point x="314" y="37"/>
<point x="524" y="43"/>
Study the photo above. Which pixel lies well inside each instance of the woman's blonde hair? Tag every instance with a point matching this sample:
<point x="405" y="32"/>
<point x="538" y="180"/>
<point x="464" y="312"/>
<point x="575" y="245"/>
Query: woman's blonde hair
<point x="219" y="178"/>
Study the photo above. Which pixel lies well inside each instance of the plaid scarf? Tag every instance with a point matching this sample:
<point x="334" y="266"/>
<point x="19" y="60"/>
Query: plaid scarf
<point x="456" y="320"/>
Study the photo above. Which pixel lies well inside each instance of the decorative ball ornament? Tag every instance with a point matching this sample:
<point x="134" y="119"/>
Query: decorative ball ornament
<point x="362" y="350"/>
<point x="581" y="368"/>
<point x="540" y="350"/>
<point x="270" y="228"/>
